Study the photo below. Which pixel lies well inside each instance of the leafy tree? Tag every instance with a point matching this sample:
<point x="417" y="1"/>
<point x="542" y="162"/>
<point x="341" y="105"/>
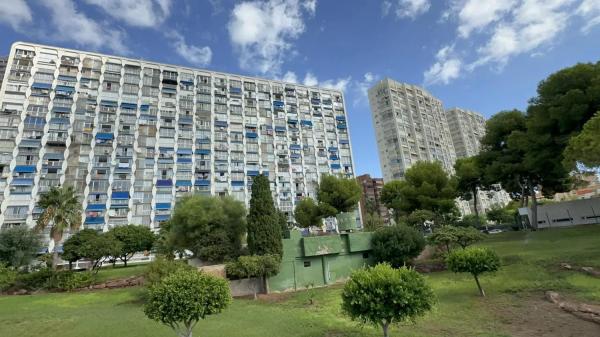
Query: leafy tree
<point x="469" y="180"/>
<point x="397" y="245"/>
<point x="133" y="239"/>
<point x="339" y="195"/>
<point x="584" y="148"/>
<point x="211" y="227"/>
<point x="283" y="222"/>
<point x="18" y="246"/>
<point x="382" y="296"/>
<point x="475" y="261"/>
<point x="444" y="236"/>
<point x="418" y="218"/>
<point x="307" y="213"/>
<point x="426" y="187"/>
<point x="185" y="297"/>
<point x="264" y="230"/>
<point x="61" y="210"/>
<point x="466" y="236"/>
<point x="373" y="222"/>
<point x="500" y="215"/>
<point x="262" y="266"/>
<point x="472" y="220"/>
<point x="90" y="245"/>
<point x="162" y="267"/>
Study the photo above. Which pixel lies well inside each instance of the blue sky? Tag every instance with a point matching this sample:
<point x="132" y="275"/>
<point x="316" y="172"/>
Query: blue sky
<point x="482" y="55"/>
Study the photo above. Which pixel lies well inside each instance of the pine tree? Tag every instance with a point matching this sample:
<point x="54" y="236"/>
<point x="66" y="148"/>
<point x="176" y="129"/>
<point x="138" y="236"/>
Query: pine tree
<point x="264" y="230"/>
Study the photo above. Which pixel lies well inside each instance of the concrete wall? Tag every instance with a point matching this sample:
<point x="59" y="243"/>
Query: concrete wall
<point x="567" y="213"/>
<point x="320" y="260"/>
<point x="246" y="287"/>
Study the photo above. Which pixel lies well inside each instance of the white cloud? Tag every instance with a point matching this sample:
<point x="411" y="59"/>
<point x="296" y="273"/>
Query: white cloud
<point x="477" y="14"/>
<point x="15" y="13"/>
<point x="140" y="13"/>
<point x="310" y="80"/>
<point x="446" y="68"/>
<point x="589" y="10"/>
<point x="412" y="8"/>
<point x="290" y="77"/>
<point x="310" y="6"/>
<point x="386" y="6"/>
<point x="70" y="24"/>
<point x="362" y="87"/>
<point x="199" y="56"/>
<point x="262" y="32"/>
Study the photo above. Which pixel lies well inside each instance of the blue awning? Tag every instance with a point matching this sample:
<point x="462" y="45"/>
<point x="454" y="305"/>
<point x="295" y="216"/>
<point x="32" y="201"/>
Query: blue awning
<point x="334" y="157"/>
<point x="104" y="136"/>
<point x="221" y="124"/>
<point x="278" y="104"/>
<point x="64" y="88"/>
<point x="184" y="151"/>
<point x="35" y="120"/>
<point x="333" y="149"/>
<point x="166" y="149"/>
<point x="132" y="106"/>
<point x="96" y="207"/>
<point x="67" y="78"/>
<point x="184" y="160"/>
<point x="252" y="173"/>
<point x="199" y="151"/>
<point x="340" y="118"/>
<point x="30" y="143"/>
<point x="162" y="206"/>
<point x="335" y="166"/>
<point x="292" y="121"/>
<point x="305" y="122"/>
<point x="185" y="120"/>
<point x="108" y="103"/>
<point x="265" y="173"/>
<point x="202" y="182"/>
<point x="169" y="90"/>
<point x="161" y="217"/>
<point x="41" y="85"/>
<point x="25" y="168"/>
<point x="94" y="220"/>
<point x="235" y="90"/>
<point x="237" y="183"/>
<point x="164" y="183"/>
<point x="120" y="195"/>
<point x="251" y="134"/>
<point x="341" y="126"/>
<point x="295" y="147"/>
<point x="180" y="183"/>
<point x="344" y="141"/>
<point x="57" y="120"/>
<point x="63" y="109"/>
<point x="186" y="82"/>
<point x="280" y="128"/>
<point x="22" y="182"/>
<point x="144" y="107"/>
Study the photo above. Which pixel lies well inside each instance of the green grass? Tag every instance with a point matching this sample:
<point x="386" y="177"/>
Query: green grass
<point x="530" y="264"/>
<point x="110" y="273"/>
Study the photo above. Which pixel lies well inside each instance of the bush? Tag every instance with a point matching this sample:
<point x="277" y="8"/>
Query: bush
<point x="253" y="266"/>
<point x="160" y="268"/>
<point x="185" y="297"/>
<point x="18" y="246"/>
<point x="397" y="245"/>
<point x="8" y="276"/>
<point x="69" y="280"/>
<point x="381" y="296"/>
<point x="475" y="261"/>
<point x="35" y="280"/>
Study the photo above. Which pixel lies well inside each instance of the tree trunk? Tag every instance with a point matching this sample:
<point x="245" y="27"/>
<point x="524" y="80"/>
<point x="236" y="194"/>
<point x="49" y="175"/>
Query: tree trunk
<point x="481" y="291"/>
<point x="125" y="261"/>
<point x="385" y="327"/>
<point x="534" y="215"/>
<point x="54" y="258"/>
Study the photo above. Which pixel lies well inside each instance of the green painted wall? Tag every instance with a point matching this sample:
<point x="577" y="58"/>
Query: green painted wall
<point x="320" y="260"/>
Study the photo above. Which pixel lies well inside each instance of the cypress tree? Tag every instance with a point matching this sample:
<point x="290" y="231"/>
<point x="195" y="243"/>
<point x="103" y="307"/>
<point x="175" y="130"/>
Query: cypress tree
<point x="264" y="230"/>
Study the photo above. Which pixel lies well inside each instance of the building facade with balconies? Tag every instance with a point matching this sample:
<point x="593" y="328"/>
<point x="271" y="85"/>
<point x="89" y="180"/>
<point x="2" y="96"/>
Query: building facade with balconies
<point x="134" y="136"/>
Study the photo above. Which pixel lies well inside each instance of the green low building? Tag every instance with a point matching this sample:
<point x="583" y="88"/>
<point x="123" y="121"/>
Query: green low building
<point x="314" y="261"/>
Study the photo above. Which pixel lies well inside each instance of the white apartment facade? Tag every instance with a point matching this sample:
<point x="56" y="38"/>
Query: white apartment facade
<point x="410" y="125"/>
<point x="133" y="136"/>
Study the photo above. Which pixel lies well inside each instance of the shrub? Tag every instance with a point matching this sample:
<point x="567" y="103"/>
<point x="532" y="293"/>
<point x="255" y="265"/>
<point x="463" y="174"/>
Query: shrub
<point x="253" y="266"/>
<point x="475" y="261"/>
<point x="397" y="245"/>
<point x="18" y="246"/>
<point x="382" y="296"/>
<point x="185" y="297"/>
<point x="8" y="276"/>
<point x="35" y="280"/>
<point x="69" y="280"/>
<point x="466" y="236"/>
<point x="161" y="268"/>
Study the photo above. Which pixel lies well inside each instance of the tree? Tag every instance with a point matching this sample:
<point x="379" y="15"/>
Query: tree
<point x="426" y="187"/>
<point x="89" y="244"/>
<point x="466" y="236"/>
<point x="339" y="195"/>
<point x="584" y="148"/>
<point x="249" y="266"/>
<point x="500" y="215"/>
<point x="382" y="296"/>
<point x="307" y="213"/>
<point x="469" y="180"/>
<point x="475" y="261"/>
<point x="373" y="222"/>
<point x="472" y="220"/>
<point x="18" y="246"/>
<point x="444" y="236"/>
<point x="264" y="230"/>
<point x="61" y="210"/>
<point x="397" y="245"/>
<point x="133" y="239"/>
<point x="283" y="222"/>
<point x="211" y="227"/>
<point x="185" y="297"/>
<point x="418" y="218"/>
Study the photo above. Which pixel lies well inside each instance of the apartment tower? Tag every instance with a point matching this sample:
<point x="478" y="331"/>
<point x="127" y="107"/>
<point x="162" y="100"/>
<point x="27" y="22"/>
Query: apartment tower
<point x="370" y="200"/>
<point x="133" y="136"/>
<point x="410" y="126"/>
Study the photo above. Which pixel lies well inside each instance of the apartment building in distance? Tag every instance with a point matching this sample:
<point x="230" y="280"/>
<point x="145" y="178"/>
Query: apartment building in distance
<point x="467" y="128"/>
<point x="410" y="125"/>
<point x="370" y="200"/>
<point x="3" y="62"/>
<point x="133" y="136"/>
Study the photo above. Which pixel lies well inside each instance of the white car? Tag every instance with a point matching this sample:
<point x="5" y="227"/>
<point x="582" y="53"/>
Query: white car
<point x="495" y="231"/>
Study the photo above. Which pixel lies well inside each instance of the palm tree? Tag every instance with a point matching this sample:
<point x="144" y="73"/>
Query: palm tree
<point x="61" y="210"/>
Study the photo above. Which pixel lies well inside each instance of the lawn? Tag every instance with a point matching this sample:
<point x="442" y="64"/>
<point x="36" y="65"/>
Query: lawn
<point x="514" y="306"/>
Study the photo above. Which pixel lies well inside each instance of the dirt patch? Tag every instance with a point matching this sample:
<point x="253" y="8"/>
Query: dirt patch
<point x="532" y="315"/>
<point x="586" y="270"/>
<point x="274" y="297"/>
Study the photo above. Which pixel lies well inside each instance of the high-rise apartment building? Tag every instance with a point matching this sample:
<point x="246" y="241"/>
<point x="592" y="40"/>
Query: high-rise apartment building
<point x="370" y="200"/>
<point x="410" y="125"/>
<point x="3" y="61"/>
<point x="466" y="128"/>
<point x="133" y="136"/>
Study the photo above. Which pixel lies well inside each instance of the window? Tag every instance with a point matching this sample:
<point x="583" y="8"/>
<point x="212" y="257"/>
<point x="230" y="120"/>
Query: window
<point x="306" y="263"/>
